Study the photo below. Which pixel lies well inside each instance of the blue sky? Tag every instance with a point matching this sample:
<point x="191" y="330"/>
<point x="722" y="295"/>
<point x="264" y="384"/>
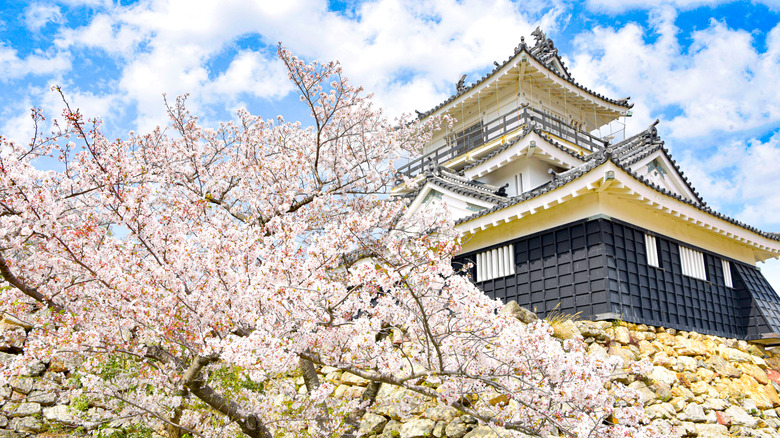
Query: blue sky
<point x="709" y="70"/>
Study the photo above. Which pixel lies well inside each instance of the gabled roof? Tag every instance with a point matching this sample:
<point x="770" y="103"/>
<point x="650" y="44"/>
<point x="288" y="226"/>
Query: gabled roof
<point x="640" y="146"/>
<point x="527" y="130"/>
<point x="544" y="53"/>
<point x="448" y="180"/>
<point x="625" y="156"/>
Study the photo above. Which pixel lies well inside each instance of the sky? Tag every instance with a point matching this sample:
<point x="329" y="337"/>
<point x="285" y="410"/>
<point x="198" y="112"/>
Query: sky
<point x="708" y="70"/>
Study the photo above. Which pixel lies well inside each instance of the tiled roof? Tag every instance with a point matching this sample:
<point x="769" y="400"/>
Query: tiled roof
<point x="543" y="58"/>
<point x="625" y="156"/>
<point x="449" y="180"/>
<point x="640" y="146"/>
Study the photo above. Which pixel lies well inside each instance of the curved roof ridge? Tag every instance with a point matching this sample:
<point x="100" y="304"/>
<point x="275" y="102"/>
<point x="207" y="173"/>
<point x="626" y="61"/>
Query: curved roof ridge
<point x="467" y="190"/>
<point x="520" y="49"/>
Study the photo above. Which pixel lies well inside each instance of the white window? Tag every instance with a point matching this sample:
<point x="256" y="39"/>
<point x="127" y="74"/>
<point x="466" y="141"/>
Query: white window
<point x="518" y="184"/>
<point x="692" y="263"/>
<point x="652" y="251"/>
<point x="727" y="273"/>
<point x="495" y="263"/>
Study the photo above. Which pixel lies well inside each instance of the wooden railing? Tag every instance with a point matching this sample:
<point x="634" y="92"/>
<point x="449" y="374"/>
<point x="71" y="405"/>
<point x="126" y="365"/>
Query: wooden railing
<point x="459" y="143"/>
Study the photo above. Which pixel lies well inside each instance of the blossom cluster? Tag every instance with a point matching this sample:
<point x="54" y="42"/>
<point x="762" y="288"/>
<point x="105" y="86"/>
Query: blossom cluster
<point x="229" y="257"/>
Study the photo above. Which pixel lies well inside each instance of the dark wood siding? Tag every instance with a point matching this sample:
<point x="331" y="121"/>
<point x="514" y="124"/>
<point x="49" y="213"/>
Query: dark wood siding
<point x="599" y="268"/>
<point x="563" y="267"/>
<point x="663" y="296"/>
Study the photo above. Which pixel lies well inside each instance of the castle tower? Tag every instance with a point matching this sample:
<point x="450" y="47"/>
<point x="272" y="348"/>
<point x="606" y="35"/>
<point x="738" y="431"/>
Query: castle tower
<point x="557" y="208"/>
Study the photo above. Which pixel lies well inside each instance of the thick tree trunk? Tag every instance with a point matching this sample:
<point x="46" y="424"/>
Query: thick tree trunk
<point x="312" y="382"/>
<point x="250" y="424"/>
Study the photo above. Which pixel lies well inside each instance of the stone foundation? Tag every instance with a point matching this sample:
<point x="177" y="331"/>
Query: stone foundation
<point x="700" y="386"/>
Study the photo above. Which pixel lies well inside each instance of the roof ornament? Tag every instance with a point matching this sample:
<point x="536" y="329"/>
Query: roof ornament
<point x="419" y="115"/>
<point x="461" y="84"/>
<point x="432" y="166"/>
<point x="543" y="45"/>
<point x="652" y="132"/>
<point x="520" y="46"/>
<point x="539" y="36"/>
<point x="502" y="191"/>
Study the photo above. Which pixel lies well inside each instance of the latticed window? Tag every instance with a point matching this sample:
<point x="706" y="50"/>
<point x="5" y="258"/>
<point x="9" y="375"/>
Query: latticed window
<point x="692" y="263"/>
<point x="651" y="248"/>
<point x="496" y="263"/>
<point x="727" y="273"/>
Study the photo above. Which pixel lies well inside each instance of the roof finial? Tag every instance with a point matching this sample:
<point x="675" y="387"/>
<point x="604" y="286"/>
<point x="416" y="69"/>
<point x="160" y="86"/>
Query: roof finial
<point x="652" y="133"/>
<point x="520" y="46"/>
<point x="539" y="36"/>
<point x="461" y="84"/>
<point x="433" y="166"/>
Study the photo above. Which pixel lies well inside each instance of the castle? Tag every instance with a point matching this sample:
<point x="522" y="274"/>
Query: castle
<point x="557" y="209"/>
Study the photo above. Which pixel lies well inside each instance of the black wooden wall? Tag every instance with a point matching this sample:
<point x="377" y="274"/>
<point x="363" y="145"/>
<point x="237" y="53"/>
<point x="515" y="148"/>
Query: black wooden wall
<point x="599" y="268"/>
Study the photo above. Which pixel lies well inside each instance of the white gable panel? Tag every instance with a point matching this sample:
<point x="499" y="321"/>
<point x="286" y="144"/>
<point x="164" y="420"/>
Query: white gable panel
<point x="459" y="206"/>
<point x="659" y="170"/>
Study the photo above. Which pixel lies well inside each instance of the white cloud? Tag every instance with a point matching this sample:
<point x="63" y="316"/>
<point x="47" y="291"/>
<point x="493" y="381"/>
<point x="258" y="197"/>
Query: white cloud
<point x="625" y="5"/>
<point x="740" y="178"/>
<point x="38" y="15"/>
<point x="13" y="66"/>
<point x="720" y="83"/>
<point x="103" y="32"/>
<point x="251" y="73"/>
<point x="384" y="45"/>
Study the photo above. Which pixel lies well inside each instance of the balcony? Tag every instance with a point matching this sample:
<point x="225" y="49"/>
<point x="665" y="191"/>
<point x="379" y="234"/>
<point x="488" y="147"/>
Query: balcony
<point x="459" y="143"/>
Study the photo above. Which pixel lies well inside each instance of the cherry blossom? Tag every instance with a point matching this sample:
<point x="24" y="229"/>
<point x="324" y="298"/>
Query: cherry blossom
<point x="199" y="271"/>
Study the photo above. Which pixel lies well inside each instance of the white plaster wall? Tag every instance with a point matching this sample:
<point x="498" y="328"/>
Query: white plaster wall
<point x="535" y="173"/>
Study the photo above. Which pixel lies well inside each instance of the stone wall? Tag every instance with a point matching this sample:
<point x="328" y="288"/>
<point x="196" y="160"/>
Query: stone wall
<point x="700" y="386"/>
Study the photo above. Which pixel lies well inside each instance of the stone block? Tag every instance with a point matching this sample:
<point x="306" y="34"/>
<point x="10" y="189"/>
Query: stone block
<point x="26" y="424"/>
<point x="392" y="429"/>
<point x="371" y="424"/>
<point x="9" y="319"/>
<point x="459" y="427"/>
<point x="711" y="431"/>
<point x="521" y="313"/>
<point x="441" y="413"/>
<point x="734" y="355"/>
<point x="25" y="410"/>
<point x="739" y="417"/>
<point x="661" y="410"/>
<point x="420" y="428"/>
<point x="722" y="367"/>
<point x="661" y="374"/>
<point x="693" y="412"/>
<point x="21" y="384"/>
<point x="754" y="371"/>
<point x="351" y="379"/>
<point x="60" y="414"/>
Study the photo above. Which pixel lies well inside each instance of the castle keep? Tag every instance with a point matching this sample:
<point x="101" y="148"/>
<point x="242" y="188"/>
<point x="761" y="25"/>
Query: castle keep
<point x="557" y="207"/>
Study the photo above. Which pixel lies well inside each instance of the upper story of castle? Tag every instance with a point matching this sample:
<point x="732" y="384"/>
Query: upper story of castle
<point x="531" y="88"/>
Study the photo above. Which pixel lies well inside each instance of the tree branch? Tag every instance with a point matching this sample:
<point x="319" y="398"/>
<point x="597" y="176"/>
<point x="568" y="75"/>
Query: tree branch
<point x="250" y="424"/>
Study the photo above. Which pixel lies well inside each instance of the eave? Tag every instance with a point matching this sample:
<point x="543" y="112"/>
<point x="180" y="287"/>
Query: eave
<point x="516" y="65"/>
<point x="542" y="148"/>
<point x="609" y="179"/>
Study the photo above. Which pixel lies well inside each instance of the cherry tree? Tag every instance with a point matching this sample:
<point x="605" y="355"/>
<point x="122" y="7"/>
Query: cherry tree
<point x="195" y="270"/>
